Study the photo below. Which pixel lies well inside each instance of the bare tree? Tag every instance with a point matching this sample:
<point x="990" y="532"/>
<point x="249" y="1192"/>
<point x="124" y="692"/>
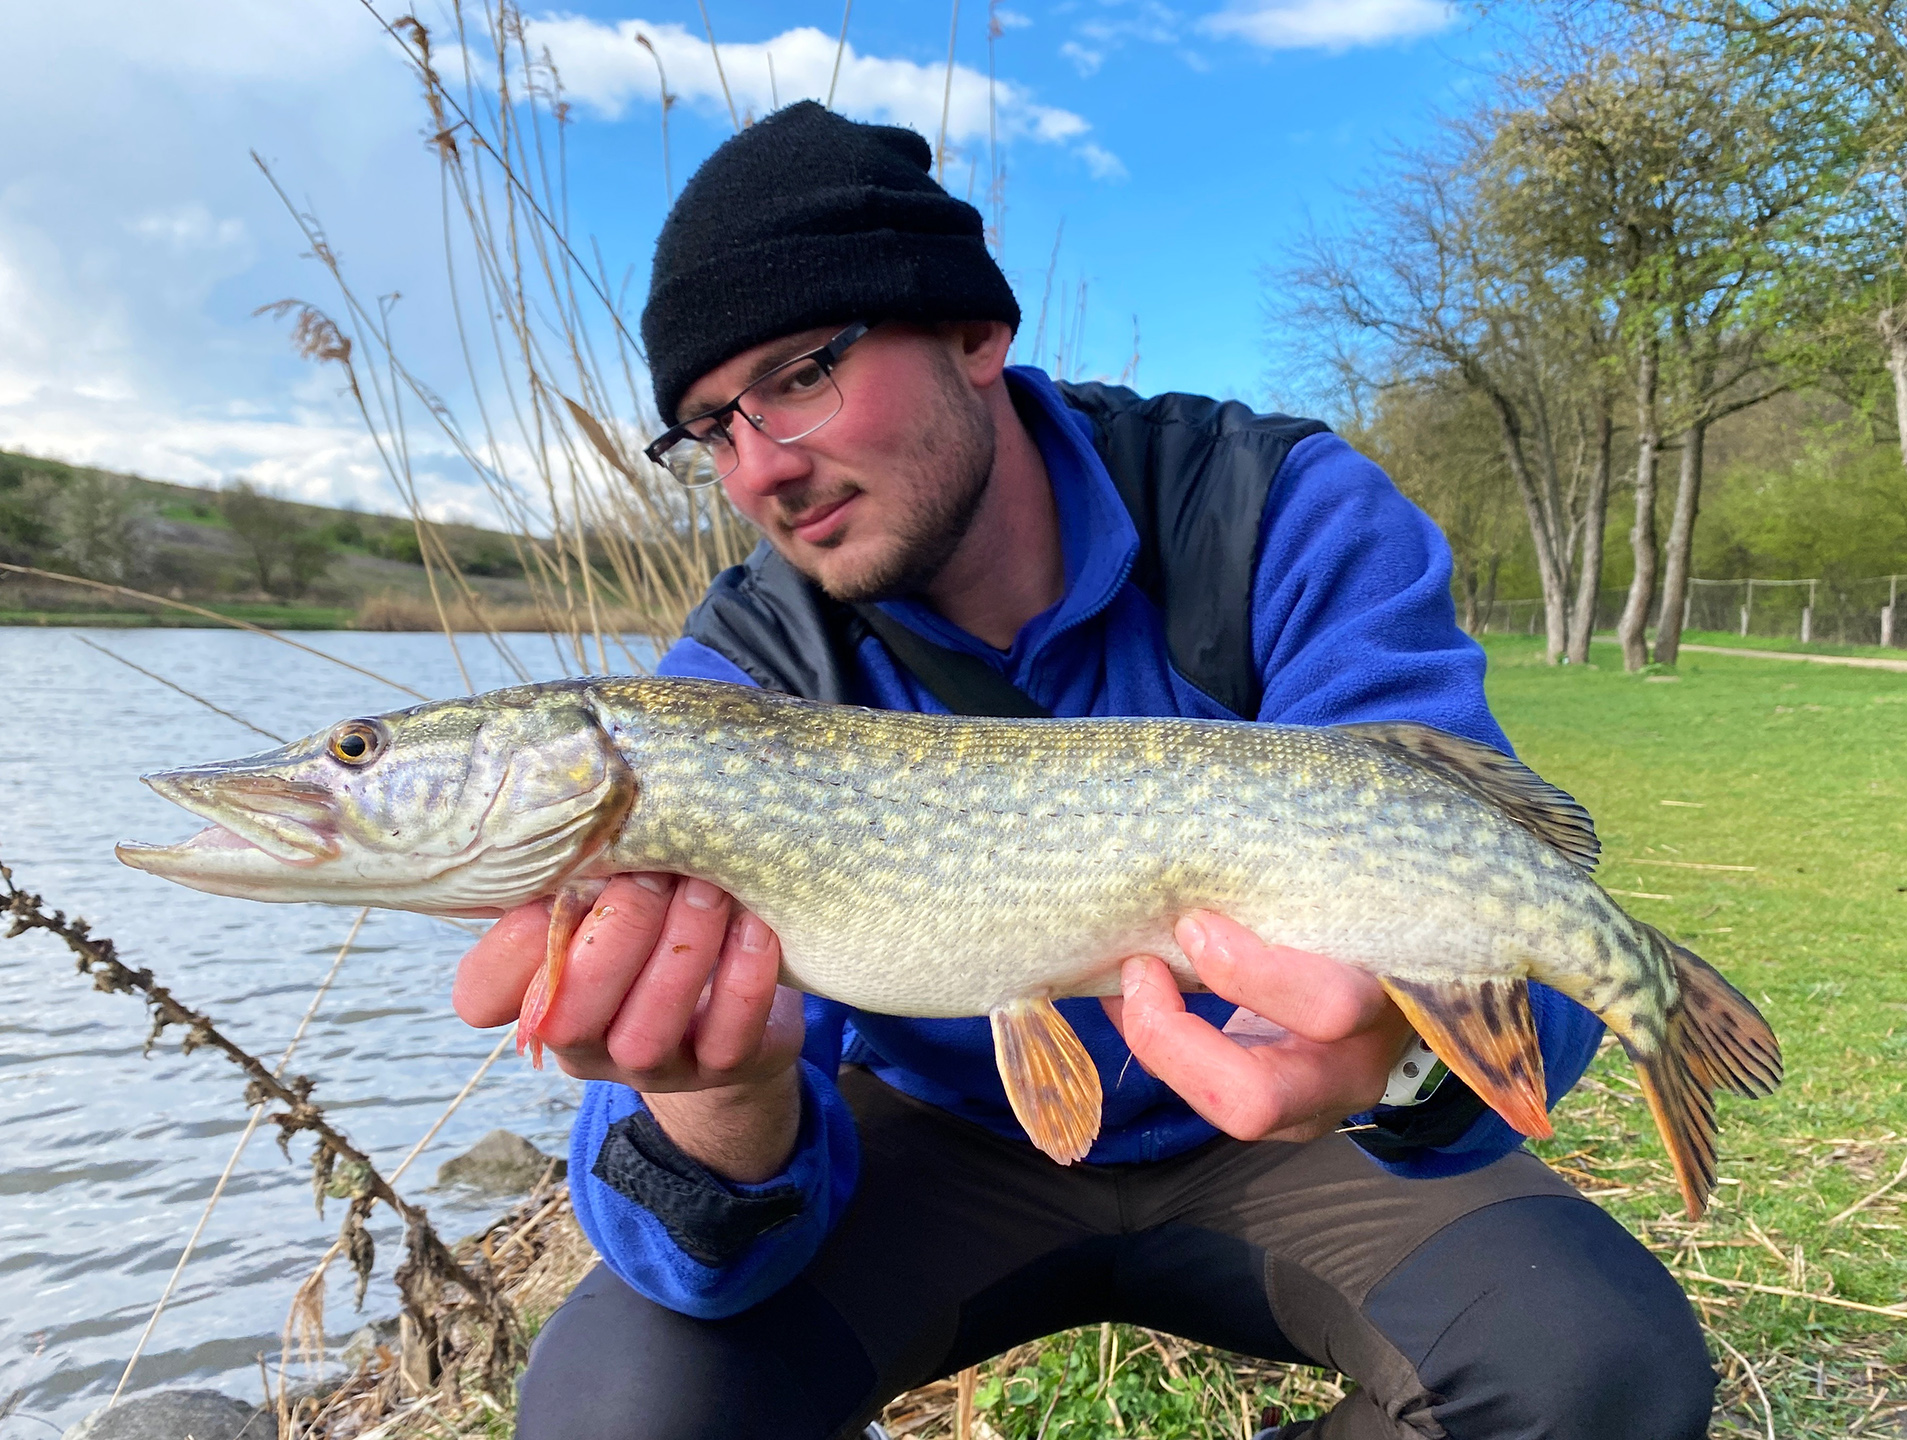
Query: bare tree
<point x="1434" y="282"/>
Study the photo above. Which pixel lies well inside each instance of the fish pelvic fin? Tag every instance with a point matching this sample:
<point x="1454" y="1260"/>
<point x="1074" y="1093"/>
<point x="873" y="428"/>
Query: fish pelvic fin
<point x="572" y="902"/>
<point x="1551" y="814"/>
<point x="1483" y="1030"/>
<point x="1713" y="1039"/>
<point x="1051" y="1081"/>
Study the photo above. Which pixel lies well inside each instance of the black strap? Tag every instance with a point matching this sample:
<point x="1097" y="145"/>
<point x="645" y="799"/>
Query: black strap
<point x="964" y="683"/>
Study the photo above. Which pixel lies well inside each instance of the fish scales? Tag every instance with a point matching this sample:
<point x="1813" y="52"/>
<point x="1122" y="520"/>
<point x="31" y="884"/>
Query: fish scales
<point x="1074" y="843"/>
<point x="941" y="866"/>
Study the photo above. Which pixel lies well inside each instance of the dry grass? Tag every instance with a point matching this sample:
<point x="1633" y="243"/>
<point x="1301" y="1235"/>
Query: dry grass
<point x="391" y="611"/>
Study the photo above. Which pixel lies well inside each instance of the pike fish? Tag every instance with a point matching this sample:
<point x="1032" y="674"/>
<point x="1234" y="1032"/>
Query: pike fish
<point x="931" y="865"/>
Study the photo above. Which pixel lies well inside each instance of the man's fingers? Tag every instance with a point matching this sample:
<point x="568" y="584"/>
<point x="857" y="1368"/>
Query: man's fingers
<point x="493" y="975"/>
<point x="729" y="1032"/>
<point x="606" y="955"/>
<point x="650" y="1025"/>
<point x="1309" y="995"/>
<point x="1218" y="1079"/>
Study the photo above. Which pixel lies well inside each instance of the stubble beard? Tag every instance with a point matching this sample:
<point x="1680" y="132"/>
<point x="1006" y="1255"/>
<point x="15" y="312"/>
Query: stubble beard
<point x="956" y="449"/>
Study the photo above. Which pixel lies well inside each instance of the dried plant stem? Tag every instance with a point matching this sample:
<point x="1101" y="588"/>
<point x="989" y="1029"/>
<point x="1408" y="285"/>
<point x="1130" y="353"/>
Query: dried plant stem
<point x="946" y="96"/>
<point x="209" y="615"/>
<point x="451" y="1109"/>
<point x="1895" y="1311"/>
<point x="840" y="49"/>
<point x="721" y="75"/>
<point x="1866" y="1200"/>
<point x="174" y="685"/>
<point x="245" y="1139"/>
<point x="1767" y="1410"/>
<point x="428" y="1266"/>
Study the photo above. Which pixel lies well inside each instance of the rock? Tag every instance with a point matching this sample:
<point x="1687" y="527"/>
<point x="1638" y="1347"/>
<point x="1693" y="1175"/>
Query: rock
<point x="501" y="1164"/>
<point x="365" y="1340"/>
<point x="178" y="1415"/>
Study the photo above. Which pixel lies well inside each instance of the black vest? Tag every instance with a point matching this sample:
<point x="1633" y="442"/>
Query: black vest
<point x="1194" y="473"/>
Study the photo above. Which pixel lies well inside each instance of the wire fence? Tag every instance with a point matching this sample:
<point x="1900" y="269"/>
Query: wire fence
<point x="1824" y="608"/>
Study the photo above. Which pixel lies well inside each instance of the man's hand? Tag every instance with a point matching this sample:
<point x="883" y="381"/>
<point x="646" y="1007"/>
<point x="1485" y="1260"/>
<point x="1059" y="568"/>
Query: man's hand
<point x="669" y="989"/>
<point x="1345" y="1034"/>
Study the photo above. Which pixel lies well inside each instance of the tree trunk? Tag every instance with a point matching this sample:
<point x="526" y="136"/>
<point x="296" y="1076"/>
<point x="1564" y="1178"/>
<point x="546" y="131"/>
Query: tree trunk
<point x="1552" y="570"/>
<point x="1632" y="628"/>
<point x="1595" y="511"/>
<point x="1892" y="323"/>
<point x="1469" y="573"/>
<point x="1675" y="573"/>
<point x="1489" y="589"/>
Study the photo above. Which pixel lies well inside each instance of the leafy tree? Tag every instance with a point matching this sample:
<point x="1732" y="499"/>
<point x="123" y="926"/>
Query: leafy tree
<point x="1690" y="187"/>
<point x="287" y="552"/>
<point x="100" y="525"/>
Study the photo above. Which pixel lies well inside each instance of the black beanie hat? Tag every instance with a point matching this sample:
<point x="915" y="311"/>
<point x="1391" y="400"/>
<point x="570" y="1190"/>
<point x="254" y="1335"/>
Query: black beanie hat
<point x="807" y="219"/>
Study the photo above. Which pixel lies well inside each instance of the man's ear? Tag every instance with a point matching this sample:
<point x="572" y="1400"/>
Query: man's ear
<point x="980" y="349"/>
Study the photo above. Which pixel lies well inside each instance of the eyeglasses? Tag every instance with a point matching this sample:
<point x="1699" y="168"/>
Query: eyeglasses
<point x="789" y="403"/>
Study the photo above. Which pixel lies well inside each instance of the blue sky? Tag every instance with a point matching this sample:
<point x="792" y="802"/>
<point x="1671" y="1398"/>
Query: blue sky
<point x="1181" y="146"/>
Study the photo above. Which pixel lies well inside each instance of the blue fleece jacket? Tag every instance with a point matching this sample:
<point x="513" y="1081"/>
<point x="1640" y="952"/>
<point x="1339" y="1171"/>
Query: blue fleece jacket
<point x="1351" y="620"/>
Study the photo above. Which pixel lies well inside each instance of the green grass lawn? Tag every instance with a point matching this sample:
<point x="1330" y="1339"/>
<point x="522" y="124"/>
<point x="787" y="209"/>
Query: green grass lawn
<point x="1799" y="771"/>
<point x="272" y="617"/>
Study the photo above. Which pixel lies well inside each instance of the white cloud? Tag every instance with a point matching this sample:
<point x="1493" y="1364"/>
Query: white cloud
<point x="1328" y="24"/>
<point x="1010" y="19"/>
<point x="1087" y="62"/>
<point x="604" y="69"/>
<point x="1103" y="163"/>
<point x="190" y="227"/>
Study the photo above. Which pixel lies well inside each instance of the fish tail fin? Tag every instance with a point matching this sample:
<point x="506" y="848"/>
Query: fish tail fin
<point x="571" y="904"/>
<point x="1483" y="1030"/>
<point x="1713" y="1038"/>
<point x="1051" y="1081"/>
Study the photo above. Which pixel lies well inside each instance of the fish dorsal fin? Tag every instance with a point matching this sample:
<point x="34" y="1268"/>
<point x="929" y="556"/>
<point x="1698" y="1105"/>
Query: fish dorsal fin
<point x="1552" y="815"/>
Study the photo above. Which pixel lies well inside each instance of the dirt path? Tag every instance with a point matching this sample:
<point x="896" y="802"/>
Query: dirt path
<point x="1859" y="662"/>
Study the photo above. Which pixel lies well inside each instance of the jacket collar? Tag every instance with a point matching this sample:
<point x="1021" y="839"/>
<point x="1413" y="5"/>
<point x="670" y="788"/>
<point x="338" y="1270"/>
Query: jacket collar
<point x="1098" y="540"/>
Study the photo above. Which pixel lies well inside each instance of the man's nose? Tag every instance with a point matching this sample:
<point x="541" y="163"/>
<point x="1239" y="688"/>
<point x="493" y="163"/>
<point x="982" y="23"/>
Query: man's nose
<point x="762" y="465"/>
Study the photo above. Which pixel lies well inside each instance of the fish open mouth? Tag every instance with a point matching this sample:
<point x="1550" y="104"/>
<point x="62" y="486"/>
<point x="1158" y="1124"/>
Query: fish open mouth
<point x="291" y="821"/>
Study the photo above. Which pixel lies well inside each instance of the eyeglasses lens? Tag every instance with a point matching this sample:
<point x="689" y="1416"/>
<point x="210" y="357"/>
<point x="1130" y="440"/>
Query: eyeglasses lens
<point x="786" y="404"/>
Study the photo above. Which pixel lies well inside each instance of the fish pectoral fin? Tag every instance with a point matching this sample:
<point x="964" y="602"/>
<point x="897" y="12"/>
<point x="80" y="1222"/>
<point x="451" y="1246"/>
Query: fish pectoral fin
<point x="1051" y="1081"/>
<point x="570" y="905"/>
<point x="1483" y="1030"/>
<point x="1552" y="815"/>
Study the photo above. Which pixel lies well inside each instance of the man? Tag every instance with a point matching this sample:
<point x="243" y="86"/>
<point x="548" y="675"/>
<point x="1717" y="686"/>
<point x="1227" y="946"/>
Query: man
<point x="803" y="1211"/>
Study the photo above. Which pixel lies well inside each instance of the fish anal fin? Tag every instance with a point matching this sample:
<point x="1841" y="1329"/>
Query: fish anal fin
<point x="1051" y="1081"/>
<point x="570" y="904"/>
<point x="1553" y="815"/>
<point x="1483" y="1030"/>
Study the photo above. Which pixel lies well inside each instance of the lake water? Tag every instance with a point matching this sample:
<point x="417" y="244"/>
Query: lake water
<point x="106" y="1155"/>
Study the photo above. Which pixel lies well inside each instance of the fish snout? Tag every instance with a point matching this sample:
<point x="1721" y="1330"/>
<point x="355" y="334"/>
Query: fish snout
<point x="290" y="820"/>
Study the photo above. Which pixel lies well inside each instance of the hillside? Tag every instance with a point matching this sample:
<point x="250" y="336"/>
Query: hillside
<point x="249" y="555"/>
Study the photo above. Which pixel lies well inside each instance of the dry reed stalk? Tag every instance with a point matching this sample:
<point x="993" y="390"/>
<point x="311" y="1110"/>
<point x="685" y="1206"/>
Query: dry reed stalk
<point x="601" y="535"/>
<point x="840" y="49"/>
<point x="1898" y="1312"/>
<point x="716" y="51"/>
<point x="946" y="98"/>
<point x="174" y="685"/>
<point x="238" y="1150"/>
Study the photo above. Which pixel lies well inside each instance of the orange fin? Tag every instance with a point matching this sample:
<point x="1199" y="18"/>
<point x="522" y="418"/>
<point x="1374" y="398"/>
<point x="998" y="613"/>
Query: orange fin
<point x="572" y="903"/>
<point x="1713" y="1039"/>
<point x="1485" y="1033"/>
<point x="1051" y="1082"/>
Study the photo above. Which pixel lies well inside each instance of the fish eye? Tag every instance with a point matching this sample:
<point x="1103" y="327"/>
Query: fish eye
<point x="356" y="742"/>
